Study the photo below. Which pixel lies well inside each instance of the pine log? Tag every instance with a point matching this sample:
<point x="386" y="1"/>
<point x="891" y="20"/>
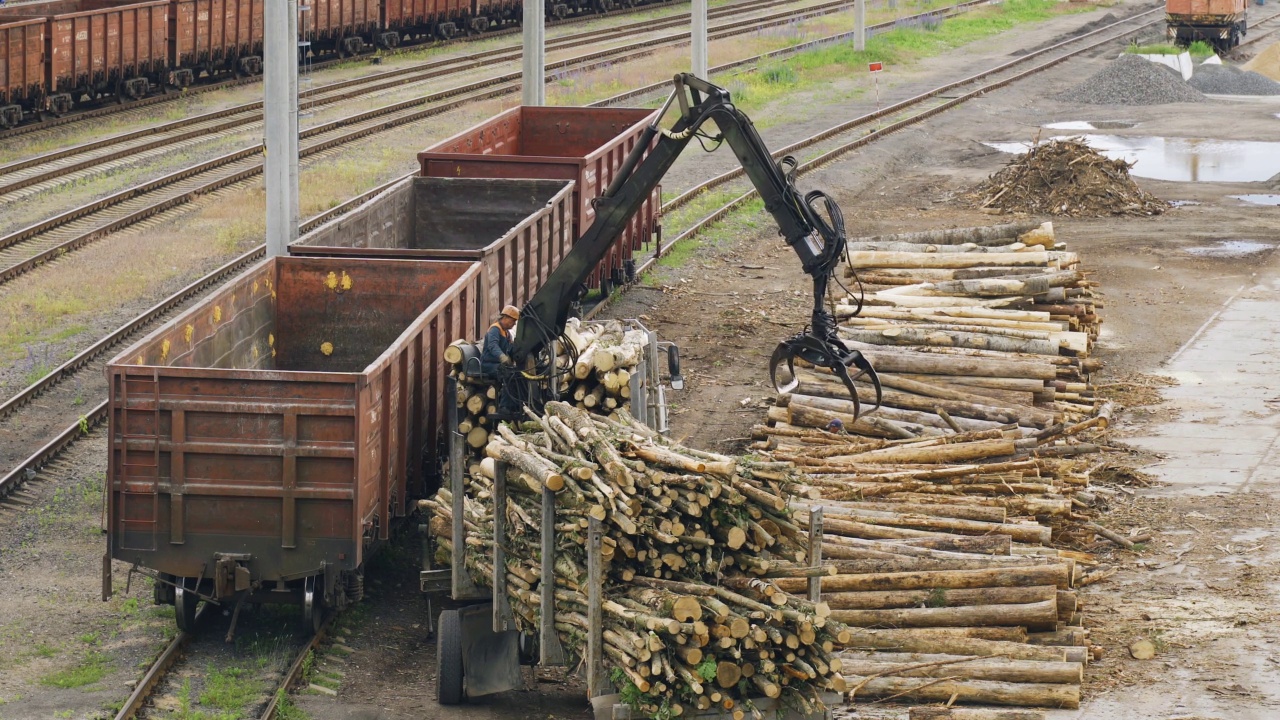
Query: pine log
<point x="1056" y="575"/>
<point x="968" y="667"/>
<point x="1037" y="615"/>
<point x="954" y="236"/>
<point x="943" y="338"/>
<point x="872" y="259"/>
<point x="901" y="360"/>
<point x="871" y="600"/>
<point x="952" y="713"/>
<point x="986" y="692"/>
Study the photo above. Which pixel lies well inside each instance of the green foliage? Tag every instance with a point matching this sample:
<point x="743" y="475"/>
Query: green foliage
<point x="286" y="710"/>
<point x="46" y="651"/>
<point x="91" y="670"/>
<point x="937" y="598"/>
<point x="230" y="690"/>
<point x="778" y="74"/>
<point x="91" y="639"/>
<point x="707" y="669"/>
<point x="1198" y="49"/>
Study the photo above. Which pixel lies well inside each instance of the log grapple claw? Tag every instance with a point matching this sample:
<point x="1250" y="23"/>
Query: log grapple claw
<point x="828" y="353"/>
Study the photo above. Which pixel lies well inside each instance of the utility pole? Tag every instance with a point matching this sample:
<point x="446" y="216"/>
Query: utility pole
<point x="699" y="40"/>
<point x="535" y="54"/>
<point x="280" y="108"/>
<point x="860" y="25"/>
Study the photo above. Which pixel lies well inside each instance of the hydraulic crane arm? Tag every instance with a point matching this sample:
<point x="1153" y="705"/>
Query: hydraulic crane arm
<point x="819" y="240"/>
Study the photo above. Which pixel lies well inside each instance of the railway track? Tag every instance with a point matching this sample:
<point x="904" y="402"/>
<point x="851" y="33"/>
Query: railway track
<point x="186" y="650"/>
<point x="25" y="249"/>
<point x="46" y="170"/>
<point x="117" y="109"/>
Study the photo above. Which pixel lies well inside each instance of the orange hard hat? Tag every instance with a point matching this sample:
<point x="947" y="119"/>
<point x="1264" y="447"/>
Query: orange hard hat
<point x="511" y="312"/>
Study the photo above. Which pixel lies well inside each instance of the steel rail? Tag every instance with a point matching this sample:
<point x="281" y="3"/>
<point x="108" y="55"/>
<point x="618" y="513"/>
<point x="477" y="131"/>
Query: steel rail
<point x="169" y="96"/>
<point x="481" y="89"/>
<point x="322" y="94"/>
<point x="142" y="691"/>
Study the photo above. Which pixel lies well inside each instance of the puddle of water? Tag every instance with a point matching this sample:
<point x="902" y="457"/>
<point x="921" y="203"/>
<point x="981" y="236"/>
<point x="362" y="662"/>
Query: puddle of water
<point x="1259" y="199"/>
<point x="1092" y="125"/>
<point x="1182" y="159"/>
<point x="1231" y="249"/>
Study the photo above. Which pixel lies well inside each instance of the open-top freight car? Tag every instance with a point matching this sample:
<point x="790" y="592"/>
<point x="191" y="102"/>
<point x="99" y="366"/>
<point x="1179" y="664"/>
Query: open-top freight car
<point x="264" y="441"/>
<point x="585" y="145"/>
<point x="95" y="48"/>
<point x="1220" y="23"/>
<point x="22" y="64"/>
<point x="214" y="37"/>
<point x="518" y="230"/>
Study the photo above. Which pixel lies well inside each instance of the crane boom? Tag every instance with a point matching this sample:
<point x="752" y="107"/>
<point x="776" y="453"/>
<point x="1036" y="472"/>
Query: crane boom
<point x="817" y="239"/>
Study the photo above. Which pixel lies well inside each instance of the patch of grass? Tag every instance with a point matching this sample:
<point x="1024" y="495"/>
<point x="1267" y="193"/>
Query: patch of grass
<point x="1198" y="49"/>
<point x="937" y="598"/>
<point x="91" y="639"/>
<point x="231" y="691"/>
<point x="286" y="710"/>
<point x="91" y="670"/>
<point x="46" y="651"/>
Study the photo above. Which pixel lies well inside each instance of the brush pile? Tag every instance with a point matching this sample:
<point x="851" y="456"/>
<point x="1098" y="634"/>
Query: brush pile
<point x="938" y="509"/>
<point x="1066" y="178"/>
<point x="693" y="547"/>
<point x="595" y="373"/>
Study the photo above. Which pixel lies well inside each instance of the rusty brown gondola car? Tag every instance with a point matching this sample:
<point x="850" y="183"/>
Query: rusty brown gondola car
<point x="1221" y="23"/>
<point x="22" y="62"/>
<point x="585" y="145"/>
<point x="262" y="442"/>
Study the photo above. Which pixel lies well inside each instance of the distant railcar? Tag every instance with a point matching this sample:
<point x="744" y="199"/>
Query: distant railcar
<point x="1220" y="23"/>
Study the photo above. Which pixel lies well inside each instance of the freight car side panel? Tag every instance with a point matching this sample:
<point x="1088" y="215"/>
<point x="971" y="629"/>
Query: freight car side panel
<point x="280" y="418"/>
<point x="214" y="31"/>
<point x="339" y="18"/>
<point x="586" y="145"/>
<point x="21" y="59"/>
<point x="1204" y="7"/>
<point x="105" y="42"/>
<point x="518" y="230"/>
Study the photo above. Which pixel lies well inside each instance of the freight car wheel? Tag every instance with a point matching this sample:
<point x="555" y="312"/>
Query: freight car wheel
<point x="449" y="659"/>
<point x="184" y="607"/>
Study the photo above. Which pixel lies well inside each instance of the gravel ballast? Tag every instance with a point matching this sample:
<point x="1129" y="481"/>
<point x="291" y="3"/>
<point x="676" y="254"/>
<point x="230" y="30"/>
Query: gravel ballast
<point x="1228" y="80"/>
<point x="1131" y="80"/>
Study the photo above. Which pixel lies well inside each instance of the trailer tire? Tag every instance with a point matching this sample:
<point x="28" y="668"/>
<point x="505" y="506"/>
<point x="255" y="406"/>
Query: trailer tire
<point x="449" y="659"/>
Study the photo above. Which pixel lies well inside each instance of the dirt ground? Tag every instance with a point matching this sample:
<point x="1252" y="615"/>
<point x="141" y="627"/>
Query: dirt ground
<point x="1203" y="590"/>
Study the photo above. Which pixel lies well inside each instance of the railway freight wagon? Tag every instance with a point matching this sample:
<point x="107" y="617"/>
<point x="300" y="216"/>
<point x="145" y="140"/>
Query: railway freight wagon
<point x="518" y="230"/>
<point x="585" y="145"/>
<point x="21" y="67"/>
<point x="344" y="27"/>
<point x="1220" y="23"/>
<point x="215" y="37"/>
<point x="421" y="20"/>
<point x="262" y="443"/>
<point x="95" y="48"/>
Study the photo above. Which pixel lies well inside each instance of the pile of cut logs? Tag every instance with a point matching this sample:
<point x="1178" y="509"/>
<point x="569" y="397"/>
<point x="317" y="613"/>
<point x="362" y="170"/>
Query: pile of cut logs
<point x="938" y="509"/>
<point x="595" y="369"/>
<point x="695" y="548"/>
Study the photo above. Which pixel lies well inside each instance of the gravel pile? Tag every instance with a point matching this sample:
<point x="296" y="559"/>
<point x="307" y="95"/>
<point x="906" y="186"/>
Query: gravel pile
<point x="1131" y="80"/>
<point x="1266" y="62"/>
<point x="1228" y="80"/>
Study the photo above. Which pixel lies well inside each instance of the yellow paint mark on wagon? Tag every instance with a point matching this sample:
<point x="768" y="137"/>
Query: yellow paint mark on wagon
<point x="271" y="339"/>
<point x="139" y="361"/>
<point x="346" y="280"/>
<point x="188" y="332"/>
<point x="331" y="280"/>
<point x="256" y="354"/>
<point x="326" y="348"/>
<point x="255" y="287"/>
<point x="217" y="313"/>
<point x="164" y="351"/>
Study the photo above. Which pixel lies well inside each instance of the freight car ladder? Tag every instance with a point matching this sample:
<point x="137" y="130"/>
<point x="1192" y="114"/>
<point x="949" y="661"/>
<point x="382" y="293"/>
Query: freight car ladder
<point x="139" y="457"/>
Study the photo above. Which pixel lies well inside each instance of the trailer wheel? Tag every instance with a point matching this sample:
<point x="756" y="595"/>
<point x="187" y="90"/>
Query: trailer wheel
<point x="184" y="608"/>
<point x="449" y="659"/>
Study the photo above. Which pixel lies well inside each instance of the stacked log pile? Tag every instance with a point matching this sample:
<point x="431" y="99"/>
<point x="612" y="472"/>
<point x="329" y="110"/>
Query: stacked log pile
<point x="595" y="370"/>
<point x="938" y="510"/>
<point x="695" y="547"/>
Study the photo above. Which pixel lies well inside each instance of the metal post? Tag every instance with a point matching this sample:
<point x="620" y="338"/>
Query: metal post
<point x="595" y="621"/>
<point x="815" y="552"/>
<point x="280" y="98"/>
<point x="552" y="653"/>
<point x="699" y="40"/>
<point x="860" y="25"/>
<point x="535" y="54"/>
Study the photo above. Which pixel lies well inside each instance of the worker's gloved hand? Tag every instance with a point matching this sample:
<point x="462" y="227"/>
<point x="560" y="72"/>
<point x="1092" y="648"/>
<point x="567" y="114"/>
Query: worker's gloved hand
<point x="506" y="360"/>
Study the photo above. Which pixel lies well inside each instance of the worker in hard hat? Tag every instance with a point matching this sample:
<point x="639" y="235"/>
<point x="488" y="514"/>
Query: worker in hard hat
<point x="499" y="343"/>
